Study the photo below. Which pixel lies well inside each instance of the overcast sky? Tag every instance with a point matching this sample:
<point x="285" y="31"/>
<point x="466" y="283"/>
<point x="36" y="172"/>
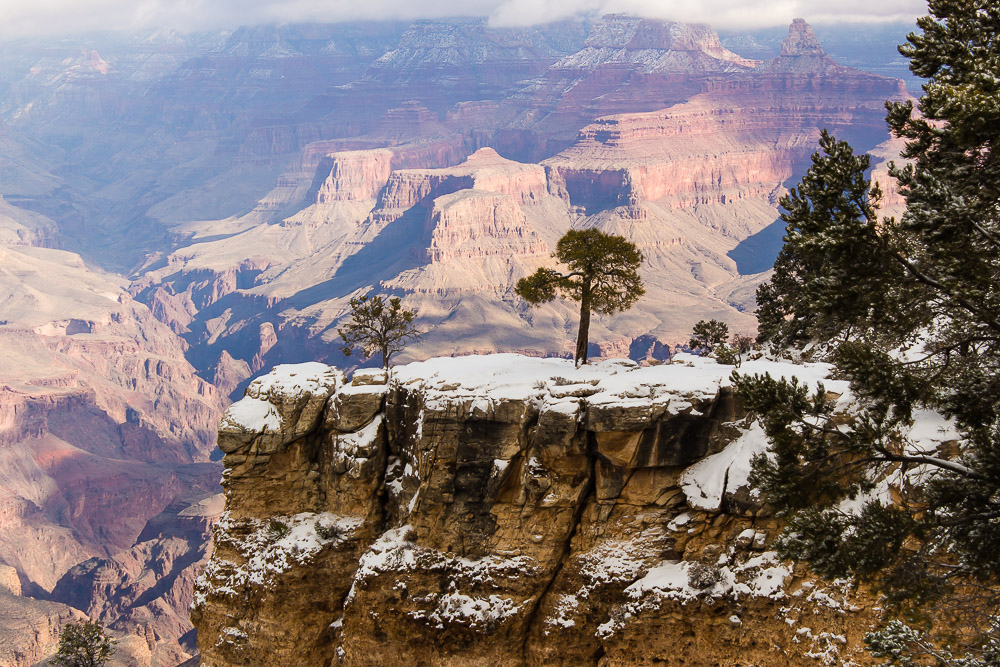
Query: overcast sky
<point x="32" y="17"/>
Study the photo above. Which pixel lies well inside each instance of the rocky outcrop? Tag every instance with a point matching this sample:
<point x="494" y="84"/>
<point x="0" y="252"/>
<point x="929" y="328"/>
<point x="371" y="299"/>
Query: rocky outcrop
<point x="627" y="64"/>
<point x="29" y="628"/>
<point x="470" y="224"/>
<point x="653" y="46"/>
<point x="483" y="170"/>
<point x="801" y="41"/>
<point x="739" y="140"/>
<point x="506" y="510"/>
<point x="22" y="227"/>
<point x="354" y="175"/>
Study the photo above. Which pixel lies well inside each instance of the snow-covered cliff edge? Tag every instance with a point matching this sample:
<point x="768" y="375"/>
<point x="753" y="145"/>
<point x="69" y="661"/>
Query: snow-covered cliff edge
<point x="507" y="510"/>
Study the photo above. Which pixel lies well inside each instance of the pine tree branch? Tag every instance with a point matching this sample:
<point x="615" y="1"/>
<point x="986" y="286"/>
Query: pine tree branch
<point x="931" y="282"/>
<point x="985" y="232"/>
<point x="944" y="464"/>
<point x="970" y="518"/>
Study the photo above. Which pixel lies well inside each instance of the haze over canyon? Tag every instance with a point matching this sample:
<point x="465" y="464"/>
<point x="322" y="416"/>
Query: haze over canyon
<point x="179" y="212"/>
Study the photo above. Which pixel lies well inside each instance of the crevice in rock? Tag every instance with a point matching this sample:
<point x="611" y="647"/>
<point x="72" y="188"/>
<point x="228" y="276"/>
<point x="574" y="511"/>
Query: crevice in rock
<point x="588" y="495"/>
<point x="383" y="494"/>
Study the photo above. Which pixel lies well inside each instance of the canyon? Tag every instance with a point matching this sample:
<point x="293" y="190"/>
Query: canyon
<point x="687" y="184"/>
<point x="179" y="213"/>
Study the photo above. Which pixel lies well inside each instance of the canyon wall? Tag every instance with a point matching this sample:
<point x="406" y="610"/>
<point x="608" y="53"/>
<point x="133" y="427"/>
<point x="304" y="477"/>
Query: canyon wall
<point x="506" y="510"/>
<point x="420" y="207"/>
<point x="103" y="425"/>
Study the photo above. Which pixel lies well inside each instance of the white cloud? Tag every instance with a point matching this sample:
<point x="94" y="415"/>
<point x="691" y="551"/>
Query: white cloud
<point x="18" y="17"/>
<point x="718" y="13"/>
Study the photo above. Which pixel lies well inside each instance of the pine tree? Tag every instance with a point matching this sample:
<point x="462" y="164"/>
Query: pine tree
<point x="707" y="335"/>
<point x="831" y="276"/>
<point x="913" y="313"/>
<point x="603" y="275"/>
<point x="378" y="325"/>
<point x="83" y="644"/>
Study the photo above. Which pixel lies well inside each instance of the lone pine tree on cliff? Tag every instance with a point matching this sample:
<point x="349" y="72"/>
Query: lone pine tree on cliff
<point x="378" y="325"/>
<point x="911" y="310"/>
<point x="602" y="274"/>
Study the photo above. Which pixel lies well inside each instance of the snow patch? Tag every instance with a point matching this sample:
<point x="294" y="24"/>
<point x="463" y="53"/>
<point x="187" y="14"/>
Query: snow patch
<point x="310" y="377"/>
<point x="256" y="412"/>
<point x="477" y="613"/>
<point x="252" y="414"/>
<point x="760" y="576"/>
<point x="394" y="553"/>
<point x="486" y="380"/>
<point x="706" y="482"/>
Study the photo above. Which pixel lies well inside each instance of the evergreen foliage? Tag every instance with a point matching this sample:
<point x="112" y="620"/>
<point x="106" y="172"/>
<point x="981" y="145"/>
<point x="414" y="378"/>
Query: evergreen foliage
<point x="830" y="275"/>
<point x="378" y="325"/>
<point x="911" y="312"/>
<point x="603" y="275"/>
<point x="708" y="335"/>
<point x="83" y="644"/>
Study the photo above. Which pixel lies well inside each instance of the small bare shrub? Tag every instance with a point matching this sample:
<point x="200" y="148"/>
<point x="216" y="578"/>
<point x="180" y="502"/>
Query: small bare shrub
<point x="327" y="532"/>
<point x="702" y="576"/>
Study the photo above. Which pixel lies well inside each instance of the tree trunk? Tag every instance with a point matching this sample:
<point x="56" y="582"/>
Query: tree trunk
<point x="583" y="335"/>
<point x="385" y="357"/>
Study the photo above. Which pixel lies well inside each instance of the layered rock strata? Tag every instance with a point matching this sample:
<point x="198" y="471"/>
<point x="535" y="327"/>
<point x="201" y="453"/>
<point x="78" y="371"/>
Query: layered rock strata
<point x="505" y="510"/>
<point x="143" y="593"/>
<point x="103" y="425"/>
<point x="687" y="177"/>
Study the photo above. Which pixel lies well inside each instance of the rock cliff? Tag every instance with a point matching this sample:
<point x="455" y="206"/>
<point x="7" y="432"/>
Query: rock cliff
<point x="506" y="510"/>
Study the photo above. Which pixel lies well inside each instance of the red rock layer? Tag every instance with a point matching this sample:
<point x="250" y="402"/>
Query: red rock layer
<point x="354" y="175"/>
<point x="470" y="224"/>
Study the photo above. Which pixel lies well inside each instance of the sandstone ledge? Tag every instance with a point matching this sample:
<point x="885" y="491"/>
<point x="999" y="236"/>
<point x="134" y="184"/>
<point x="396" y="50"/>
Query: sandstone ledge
<point x="508" y="510"/>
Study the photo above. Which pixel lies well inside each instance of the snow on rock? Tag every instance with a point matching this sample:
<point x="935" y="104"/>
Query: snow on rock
<point x="565" y="607"/>
<point x="311" y="378"/>
<point x="929" y="430"/>
<point x="477" y="613"/>
<point x="759" y="576"/>
<point x="281" y="405"/>
<point x="707" y="481"/>
<point x="232" y="636"/>
<point x="252" y="414"/>
<point x="613" y="562"/>
<point x="351" y="451"/>
<point x="488" y="379"/>
<point x="395" y="552"/>
<point x="268" y="549"/>
<point x="363" y="377"/>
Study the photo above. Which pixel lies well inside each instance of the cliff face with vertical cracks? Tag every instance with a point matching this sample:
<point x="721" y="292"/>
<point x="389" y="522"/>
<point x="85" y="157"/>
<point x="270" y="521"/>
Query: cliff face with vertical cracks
<point x="505" y="510"/>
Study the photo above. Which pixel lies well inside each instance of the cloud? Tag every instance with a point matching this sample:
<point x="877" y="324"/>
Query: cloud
<point x="72" y="16"/>
<point x="718" y="13"/>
